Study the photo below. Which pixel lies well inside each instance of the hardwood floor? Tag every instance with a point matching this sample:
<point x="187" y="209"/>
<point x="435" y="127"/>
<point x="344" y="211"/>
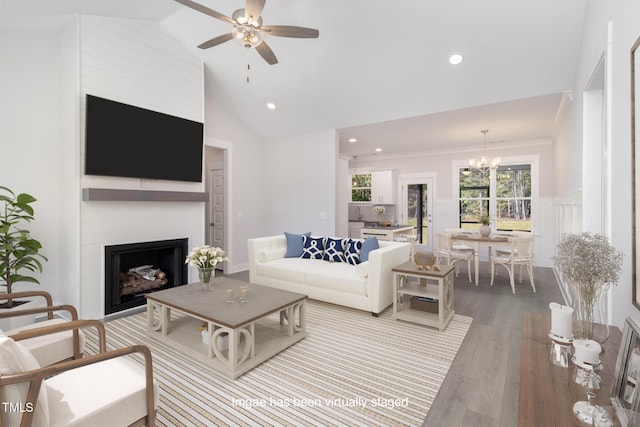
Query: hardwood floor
<point x="482" y="386"/>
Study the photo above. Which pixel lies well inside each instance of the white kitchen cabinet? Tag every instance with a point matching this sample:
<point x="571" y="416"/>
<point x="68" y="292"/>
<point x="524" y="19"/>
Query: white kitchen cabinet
<point x="384" y="187"/>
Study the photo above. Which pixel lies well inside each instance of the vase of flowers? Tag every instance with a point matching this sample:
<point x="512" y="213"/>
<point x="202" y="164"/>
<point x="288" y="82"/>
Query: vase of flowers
<point x="378" y="210"/>
<point x="590" y="264"/>
<point x="205" y="258"/>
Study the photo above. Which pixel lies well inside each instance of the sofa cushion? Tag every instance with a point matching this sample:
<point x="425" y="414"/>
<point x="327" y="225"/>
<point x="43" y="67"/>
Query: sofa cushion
<point x="15" y="359"/>
<point x="271" y="254"/>
<point x="294" y="244"/>
<point x="352" y="251"/>
<point x="313" y="247"/>
<point x="338" y="276"/>
<point x="108" y="393"/>
<point x="51" y="348"/>
<point x="288" y="269"/>
<point x="369" y="244"/>
<point x="334" y="249"/>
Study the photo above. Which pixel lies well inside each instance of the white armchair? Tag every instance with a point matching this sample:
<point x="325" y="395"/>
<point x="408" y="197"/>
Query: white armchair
<point x="47" y="348"/>
<point x="105" y="389"/>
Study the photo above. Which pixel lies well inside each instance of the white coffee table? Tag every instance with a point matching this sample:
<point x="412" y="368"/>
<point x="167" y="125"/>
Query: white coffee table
<point x="253" y="334"/>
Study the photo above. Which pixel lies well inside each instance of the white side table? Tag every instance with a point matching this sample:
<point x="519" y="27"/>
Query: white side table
<point x="409" y="281"/>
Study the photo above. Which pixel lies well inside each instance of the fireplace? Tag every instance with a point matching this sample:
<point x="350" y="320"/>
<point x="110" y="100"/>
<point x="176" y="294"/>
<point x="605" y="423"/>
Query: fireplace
<point x="135" y="269"/>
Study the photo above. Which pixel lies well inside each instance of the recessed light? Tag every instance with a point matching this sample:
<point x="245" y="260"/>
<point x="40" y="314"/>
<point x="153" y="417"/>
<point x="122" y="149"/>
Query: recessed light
<point x="378" y="150"/>
<point x="353" y="140"/>
<point x="455" y="59"/>
<point x="271" y="106"/>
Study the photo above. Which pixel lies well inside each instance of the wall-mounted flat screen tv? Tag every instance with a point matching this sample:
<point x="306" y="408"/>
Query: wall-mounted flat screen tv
<point x="127" y="141"/>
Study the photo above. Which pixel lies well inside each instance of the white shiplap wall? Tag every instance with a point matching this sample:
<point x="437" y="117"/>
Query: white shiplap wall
<point x="137" y="63"/>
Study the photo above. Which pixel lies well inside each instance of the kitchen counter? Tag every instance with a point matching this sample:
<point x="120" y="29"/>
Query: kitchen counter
<point x="390" y="232"/>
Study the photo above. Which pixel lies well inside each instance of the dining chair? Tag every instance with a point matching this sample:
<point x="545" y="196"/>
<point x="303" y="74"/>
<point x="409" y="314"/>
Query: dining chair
<point x="519" y="254"/>
<point x="104" y="389"/>
<point x="457" y="245"/>
<point x="452" y="256"/>
<point x="48" y="348"/>
<point x="505" y="250"/>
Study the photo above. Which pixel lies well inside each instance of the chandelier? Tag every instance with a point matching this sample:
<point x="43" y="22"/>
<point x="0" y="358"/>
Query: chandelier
<point x="483" y="165"/>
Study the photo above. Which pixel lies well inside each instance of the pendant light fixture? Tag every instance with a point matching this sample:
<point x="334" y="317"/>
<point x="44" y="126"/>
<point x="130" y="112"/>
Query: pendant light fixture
<point x="483" y="165"/>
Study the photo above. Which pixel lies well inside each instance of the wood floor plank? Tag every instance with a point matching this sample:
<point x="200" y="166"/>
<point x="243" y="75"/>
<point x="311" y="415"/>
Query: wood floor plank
<point x="492" y="346"/>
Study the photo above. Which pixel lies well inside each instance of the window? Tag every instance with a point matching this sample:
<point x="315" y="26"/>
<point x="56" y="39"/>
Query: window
<point x="513" y="198"/>
<point x="505" y="193"/>
<point x="474" y="197"/>
<point x="361" y="187"/>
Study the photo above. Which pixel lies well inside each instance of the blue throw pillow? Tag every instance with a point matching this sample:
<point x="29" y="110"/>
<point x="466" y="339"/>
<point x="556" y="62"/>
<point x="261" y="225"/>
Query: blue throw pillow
<point x="313" y="247"/>
<point x="369" y="244"/>
<point x="352" y="251"/>
<point x="294" y="244"/>
<point x="334" y="250"/>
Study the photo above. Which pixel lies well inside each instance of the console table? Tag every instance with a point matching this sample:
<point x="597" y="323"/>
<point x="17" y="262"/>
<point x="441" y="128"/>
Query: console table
<point x="545" y="397"/>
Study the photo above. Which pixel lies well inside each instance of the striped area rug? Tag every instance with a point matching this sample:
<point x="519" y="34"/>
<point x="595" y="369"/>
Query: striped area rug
<point x="352" y="369"/>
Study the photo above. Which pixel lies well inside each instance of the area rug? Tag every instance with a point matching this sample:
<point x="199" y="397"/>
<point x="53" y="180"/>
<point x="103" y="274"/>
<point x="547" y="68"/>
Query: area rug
<point x="352" y="369"/>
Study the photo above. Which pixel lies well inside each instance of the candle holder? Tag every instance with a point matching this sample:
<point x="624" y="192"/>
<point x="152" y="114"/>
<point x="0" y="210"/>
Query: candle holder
<point x="228" y="295"/>
<point x="584" y="367"/>
<point x="244" y="294"/>
<point x="561" y="334"/>
<point x="561" y="350"/>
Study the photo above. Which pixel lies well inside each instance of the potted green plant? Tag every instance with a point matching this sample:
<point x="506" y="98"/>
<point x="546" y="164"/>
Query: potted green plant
<point x="485" y="227"/>
<point x="19" y="252"/>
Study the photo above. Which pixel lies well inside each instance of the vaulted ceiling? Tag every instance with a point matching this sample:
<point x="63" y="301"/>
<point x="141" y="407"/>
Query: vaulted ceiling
<point x="379" y="71"/>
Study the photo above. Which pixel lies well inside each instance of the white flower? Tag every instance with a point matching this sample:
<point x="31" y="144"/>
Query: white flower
<point x="205" y="257"/>
<point x="378" y="209"/>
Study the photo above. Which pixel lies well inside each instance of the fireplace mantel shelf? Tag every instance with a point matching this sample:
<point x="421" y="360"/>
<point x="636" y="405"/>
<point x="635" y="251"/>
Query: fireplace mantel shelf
<point x="116" y="195"/>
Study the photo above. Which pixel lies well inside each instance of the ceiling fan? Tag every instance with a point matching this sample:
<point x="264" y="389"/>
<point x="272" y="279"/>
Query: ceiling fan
<point x="248" y="28"/>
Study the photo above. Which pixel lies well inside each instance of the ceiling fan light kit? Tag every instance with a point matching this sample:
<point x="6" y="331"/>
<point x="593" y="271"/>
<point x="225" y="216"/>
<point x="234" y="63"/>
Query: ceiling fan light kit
<point x="248" y="29"/>
<point x="247" y="36"/>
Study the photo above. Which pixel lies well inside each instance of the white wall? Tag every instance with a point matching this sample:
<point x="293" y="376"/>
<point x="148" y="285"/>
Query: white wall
<point x="30" y="137"/>
<point x="246" y="169"/>
<point x="300" y="180"/>
<point x="625" y="33"/>
<point x="569" y="144"/>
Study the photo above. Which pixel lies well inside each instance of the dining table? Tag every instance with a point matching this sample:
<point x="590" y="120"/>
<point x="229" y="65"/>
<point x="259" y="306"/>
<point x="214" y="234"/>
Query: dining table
<point x="475" y="241"/>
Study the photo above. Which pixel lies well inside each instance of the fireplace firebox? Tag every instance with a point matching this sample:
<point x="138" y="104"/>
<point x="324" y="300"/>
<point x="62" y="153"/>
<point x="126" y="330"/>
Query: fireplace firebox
<point x="135" y="269"/>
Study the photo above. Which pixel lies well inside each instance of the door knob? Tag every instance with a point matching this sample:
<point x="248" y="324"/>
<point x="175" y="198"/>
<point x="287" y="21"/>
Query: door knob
<point x="212" y="224"/>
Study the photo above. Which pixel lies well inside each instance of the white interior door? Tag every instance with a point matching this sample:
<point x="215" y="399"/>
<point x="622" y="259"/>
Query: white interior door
<point x="216" y="208"/>
<point x="417" y="209"/>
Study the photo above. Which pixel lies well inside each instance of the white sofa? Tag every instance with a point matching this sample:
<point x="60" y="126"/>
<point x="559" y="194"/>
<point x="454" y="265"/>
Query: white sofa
<point x="366" y="286"/>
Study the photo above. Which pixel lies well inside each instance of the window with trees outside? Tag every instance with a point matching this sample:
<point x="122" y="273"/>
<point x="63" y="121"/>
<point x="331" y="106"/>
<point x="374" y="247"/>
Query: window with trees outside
<point x="504" y="193"/>
<point x="361" y="187"/>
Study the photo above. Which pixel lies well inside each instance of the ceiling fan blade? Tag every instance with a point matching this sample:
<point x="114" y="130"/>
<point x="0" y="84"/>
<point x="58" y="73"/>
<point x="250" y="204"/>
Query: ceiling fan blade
<point x="267" y="54"/>
<point x="253" y="8"/>
<point x="290" y="31"/>
<point x="206" y="11"/>
<point x="216" y="41"/>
